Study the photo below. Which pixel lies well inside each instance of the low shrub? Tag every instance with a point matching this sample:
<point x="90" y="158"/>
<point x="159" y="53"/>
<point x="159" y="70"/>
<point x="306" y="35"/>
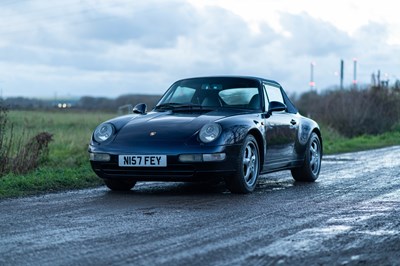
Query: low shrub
<point x="354" y="112"/>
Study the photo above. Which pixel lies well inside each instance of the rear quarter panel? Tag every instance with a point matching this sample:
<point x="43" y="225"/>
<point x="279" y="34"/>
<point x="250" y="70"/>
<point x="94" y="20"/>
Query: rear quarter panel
<point x="306" y="127"/>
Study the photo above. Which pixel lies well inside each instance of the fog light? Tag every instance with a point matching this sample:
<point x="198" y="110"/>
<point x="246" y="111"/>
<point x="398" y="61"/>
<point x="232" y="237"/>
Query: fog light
<point x="99" y="157"/>
<point x="185" y="158"/>
<point x="214" y="157"/>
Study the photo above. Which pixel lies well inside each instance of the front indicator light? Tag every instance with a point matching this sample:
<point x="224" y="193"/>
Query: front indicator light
<point x="213" y="157"/>
<point x="99" y="157"/>
<point x="186" y="158"/>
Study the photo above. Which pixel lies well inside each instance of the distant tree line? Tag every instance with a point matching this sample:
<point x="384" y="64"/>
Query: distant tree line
<point x="15" y="103"/>
<point x="84" y="103"/>
<point x="106" y="104"/>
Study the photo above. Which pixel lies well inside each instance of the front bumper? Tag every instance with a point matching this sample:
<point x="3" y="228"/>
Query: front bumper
<point x="176" y="170"/>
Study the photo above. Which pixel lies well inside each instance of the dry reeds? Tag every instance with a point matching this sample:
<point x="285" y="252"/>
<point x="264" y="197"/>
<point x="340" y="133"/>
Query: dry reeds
<point x="28" y="155"/>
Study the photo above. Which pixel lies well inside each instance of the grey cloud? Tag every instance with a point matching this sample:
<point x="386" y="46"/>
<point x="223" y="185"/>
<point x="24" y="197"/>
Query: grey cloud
<point x="222" y="37"/>
<point x="372" y="34"/>
<point x="314" y="37"/>
<point x="152" y="27"/>
<point x="162" y="42"/>
<point x="372" y="48"/>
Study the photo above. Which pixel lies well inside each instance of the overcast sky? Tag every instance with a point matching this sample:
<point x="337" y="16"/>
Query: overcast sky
<point x="108" y="48"/>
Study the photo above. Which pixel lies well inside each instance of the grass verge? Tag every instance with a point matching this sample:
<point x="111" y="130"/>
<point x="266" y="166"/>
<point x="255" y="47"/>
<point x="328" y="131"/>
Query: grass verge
<point x="334" y="143"/>
<point x="46" y="180"/>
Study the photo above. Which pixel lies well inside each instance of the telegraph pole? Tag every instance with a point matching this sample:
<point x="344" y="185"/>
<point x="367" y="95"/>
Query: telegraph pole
<point x="355" y="72"/>
<point x="341" y="73"/>
<point x="312" y="82"/>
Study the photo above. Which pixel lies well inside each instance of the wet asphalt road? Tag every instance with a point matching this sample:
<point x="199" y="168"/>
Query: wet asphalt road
<point x="350" y="216"/>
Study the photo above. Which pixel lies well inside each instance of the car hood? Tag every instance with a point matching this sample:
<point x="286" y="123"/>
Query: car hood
<point x="165" y="126"/>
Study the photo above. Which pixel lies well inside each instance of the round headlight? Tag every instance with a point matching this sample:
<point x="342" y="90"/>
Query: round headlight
<point x="209" y="132"/>
<point x="103" y="132"/>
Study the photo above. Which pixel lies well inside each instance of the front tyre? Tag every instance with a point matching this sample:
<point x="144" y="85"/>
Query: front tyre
<point x="119" y="185"/>
<point x="248" y="168"/>
<point x="309" y="171"/>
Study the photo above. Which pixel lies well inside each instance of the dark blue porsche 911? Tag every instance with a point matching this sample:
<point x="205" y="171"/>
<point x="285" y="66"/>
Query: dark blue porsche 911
<point x="209" y="128"/>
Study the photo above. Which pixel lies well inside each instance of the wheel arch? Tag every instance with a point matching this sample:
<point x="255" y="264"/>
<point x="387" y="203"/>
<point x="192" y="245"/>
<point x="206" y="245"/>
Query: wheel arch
<point x="260" y="142"/>
<point x="318" y="132"/>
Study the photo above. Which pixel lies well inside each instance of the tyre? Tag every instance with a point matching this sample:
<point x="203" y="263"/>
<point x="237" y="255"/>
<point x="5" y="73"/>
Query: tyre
<point x="248" y="168"/>
<point x="119" y="185"/>
<point x="309" y="171"/>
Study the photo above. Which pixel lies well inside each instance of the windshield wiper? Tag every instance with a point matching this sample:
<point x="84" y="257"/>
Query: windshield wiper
<point x="179" y="106"/>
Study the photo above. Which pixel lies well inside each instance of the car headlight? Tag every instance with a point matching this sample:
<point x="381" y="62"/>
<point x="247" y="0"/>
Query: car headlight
<point x="103" y="132"/>
<point x="209" y="132"/>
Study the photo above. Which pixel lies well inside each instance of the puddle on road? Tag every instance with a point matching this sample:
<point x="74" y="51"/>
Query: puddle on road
<point x="338" y="159"/>
<point x="274" y="185"/>
<point x="302" y="241"/>
<point x="385" y="157"/>
<point x="380" y="232"/>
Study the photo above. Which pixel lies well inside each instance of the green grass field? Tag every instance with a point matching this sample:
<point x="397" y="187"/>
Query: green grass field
<point x="335" y="143"/>
<point x="67" y="165"/>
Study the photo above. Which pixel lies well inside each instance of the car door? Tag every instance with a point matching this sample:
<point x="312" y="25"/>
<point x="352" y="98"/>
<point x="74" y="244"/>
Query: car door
<point x="281" y="131"/>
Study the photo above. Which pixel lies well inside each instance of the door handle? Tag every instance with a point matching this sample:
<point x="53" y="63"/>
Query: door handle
<point x="293" y="122"/>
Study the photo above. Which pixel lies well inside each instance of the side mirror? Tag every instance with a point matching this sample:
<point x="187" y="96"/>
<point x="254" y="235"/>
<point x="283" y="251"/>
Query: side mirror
<point x="276" y="107"/>
<point x="140" y="108"/>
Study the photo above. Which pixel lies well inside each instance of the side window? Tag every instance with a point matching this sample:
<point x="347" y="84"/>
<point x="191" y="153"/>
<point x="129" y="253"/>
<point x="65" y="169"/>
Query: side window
<point x="274" y="93"/>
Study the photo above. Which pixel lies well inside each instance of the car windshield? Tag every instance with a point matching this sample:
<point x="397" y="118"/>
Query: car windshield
<point x="212" y="93"/>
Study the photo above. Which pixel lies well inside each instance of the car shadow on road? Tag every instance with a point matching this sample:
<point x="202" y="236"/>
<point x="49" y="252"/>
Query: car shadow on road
<point x="174" y="188"/>
<point x="266" y="184"/>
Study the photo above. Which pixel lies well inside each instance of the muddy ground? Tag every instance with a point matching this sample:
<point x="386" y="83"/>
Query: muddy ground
<point x="350" y="216"/>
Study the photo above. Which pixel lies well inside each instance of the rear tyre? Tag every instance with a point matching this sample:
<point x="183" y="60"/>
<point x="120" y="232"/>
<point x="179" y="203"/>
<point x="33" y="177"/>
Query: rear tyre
<point x="309" y="171"/>
<point x="248" y="168"/>
<point x="119" y="185"/>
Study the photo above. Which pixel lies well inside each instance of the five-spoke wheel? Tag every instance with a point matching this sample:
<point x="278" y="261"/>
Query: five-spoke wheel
<point x="309" y="171"/>
<point x="248" y="168"/>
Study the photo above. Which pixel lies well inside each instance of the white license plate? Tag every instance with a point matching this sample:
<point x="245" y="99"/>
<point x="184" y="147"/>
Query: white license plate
<point x="142" y="160"/>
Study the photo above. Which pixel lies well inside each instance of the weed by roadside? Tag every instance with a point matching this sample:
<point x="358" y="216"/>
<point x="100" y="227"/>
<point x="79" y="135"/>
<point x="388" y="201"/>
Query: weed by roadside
<point x="4" y="148"/>
<point x="66" y="165"/>
<point x="28" y="155"/>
